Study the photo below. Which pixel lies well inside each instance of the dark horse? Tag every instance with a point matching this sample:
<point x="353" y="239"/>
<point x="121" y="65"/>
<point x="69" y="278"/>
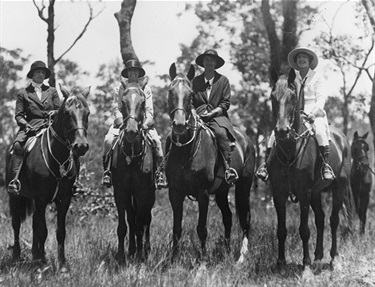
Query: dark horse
<point x="132" y="174"/>
<point x="195" y="168"/>
<point x="294" y="167"/>
<point x="361" y="177"/>
<point x="48" y="174"/>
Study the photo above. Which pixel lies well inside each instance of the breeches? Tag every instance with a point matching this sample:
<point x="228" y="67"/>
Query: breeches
<point x="221" y="138"/>
<point x="18" y="148"/>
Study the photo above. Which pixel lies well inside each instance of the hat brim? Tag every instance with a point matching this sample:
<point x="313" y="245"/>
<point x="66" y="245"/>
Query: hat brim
<point x="292" y="55"/>
<point x="30" y="74"/>
<point x="219" y="61"/>
<point x="141" y="73"/>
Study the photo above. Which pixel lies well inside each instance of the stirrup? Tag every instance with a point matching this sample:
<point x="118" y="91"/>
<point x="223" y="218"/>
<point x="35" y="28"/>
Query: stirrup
<point x="231" y="176"/>
<point x="107" y="180"/>
<point x="14" y="186"/>
<point x="160" y="181"/>
<point x="262" y="172"/>
<point x="327" y="170"/>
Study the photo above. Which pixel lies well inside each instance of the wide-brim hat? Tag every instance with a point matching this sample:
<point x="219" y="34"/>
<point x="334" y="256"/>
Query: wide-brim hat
<point x="293" y="56"/>
<point x="212" y="53"/>
<point x="133" y="64"/>
<point x="38" y="65"/>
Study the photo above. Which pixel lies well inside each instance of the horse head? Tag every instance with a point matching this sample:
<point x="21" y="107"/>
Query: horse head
<point x="285" y="106"/>
<point x="133" y="104"/>
<point x="71" y="122"/>
<point x="359" y="150"/>
<point x="179" y="99"/>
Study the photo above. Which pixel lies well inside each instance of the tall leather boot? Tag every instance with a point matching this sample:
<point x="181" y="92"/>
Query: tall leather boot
<point x="262" y="172"/>
<point x="107" y="176"/>
<point x="14" y="185"/>
<point x="160" y="177"/>
<point x="327" y="172"/>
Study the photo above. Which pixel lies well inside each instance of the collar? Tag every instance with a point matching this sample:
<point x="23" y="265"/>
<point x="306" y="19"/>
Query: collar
<point x="36" y="85"/>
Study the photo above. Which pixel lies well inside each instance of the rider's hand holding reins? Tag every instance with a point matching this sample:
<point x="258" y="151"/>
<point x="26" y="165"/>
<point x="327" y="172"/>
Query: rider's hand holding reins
<point x="213" y="114"/>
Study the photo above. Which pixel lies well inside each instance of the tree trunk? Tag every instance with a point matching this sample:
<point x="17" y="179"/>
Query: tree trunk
<point x="51" y="42"/>
<point x="124" y="17"/>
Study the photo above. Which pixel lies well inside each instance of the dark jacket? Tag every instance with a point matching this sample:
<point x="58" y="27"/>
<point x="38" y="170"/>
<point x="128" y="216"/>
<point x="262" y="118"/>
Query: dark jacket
<point x="219" y="97"/>
<point x="29" y="109"/>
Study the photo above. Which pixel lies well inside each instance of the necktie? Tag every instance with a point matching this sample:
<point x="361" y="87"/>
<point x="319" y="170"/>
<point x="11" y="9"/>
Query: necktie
<point x="302" y="95"/>
<point x="208" y="85"/>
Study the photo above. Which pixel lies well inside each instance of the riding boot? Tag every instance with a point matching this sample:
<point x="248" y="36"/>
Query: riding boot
<point x="327" y="172"/>
<point x="14" y="185"/>
<point x="231" y="175"/>
<point x="107" y="176"/>
<point x="262" y="172"/>
<point x="160" y="177"/>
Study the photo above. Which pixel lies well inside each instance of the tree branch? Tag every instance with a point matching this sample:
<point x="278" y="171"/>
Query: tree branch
<point x="40" y="11"/>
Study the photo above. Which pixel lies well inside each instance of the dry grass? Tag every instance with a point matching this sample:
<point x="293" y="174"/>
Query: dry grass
<point x="92" y="243"/>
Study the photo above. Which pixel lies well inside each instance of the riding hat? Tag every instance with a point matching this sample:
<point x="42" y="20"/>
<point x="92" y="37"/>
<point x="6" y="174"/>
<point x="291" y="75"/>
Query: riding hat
<point x="38" y="65"/>
<point x="292" y="58"/>
<point x="133" y="64"/>
<point x="212" y="53"/>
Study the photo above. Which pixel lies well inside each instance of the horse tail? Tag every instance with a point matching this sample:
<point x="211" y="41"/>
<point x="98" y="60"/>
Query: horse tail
<point x="20" y="207"/>
<point x="349" y="209"/>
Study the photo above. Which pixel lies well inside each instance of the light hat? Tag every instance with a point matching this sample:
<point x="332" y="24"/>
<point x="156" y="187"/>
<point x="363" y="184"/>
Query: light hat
<point x="292" y="57"/>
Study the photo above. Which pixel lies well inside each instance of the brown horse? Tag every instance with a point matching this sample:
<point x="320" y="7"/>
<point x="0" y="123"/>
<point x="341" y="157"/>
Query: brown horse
<point x="195" y="167"/>
<point x="132" y="174"/>
<point x="48" y="173"/>
<point x="294" y="168"/>
<point x="361" y="177"/>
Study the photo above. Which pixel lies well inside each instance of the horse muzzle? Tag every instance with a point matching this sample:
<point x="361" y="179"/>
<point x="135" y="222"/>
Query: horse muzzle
<point x="283" y="134"/>
<point x="80" y="149"/>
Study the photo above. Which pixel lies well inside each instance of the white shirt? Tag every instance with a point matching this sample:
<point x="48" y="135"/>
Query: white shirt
<point x="38" y="89"/>
<point x="208" y="90"/>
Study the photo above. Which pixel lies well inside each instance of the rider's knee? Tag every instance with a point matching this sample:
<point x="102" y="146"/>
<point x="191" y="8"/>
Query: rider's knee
<point x="18" y="148"/>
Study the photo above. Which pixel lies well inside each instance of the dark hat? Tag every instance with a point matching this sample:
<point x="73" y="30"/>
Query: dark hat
<point x="38" y="65"/>
<point x="212" y="53"/>
<point x="133" y="64"/>
<point x="292" y="57"/>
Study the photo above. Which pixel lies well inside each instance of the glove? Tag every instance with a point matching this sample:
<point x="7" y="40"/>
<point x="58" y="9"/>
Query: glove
<point x="118" y="121"/>
<point x="29" y="129"/>
<point x="207" y="117"/>
<point x="147" y="123"/>
<point x="311" y="118"/>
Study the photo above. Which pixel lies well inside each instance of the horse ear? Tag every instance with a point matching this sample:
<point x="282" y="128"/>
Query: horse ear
<point x="191" y="72"/>
<point x="86" y="92"/>
<point x="172" y="71"/>
<point x="291" y="76"/>
<point x="274" y="76"/>
<point x="64" y="91"/>
<point x="365" y="136"/>
<point x="355" y="135"/>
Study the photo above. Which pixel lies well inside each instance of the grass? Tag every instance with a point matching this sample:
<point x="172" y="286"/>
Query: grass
<point x="91" y="245"/>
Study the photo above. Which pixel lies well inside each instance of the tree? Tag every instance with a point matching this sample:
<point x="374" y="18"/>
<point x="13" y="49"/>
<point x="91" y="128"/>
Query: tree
<point x="124" y="17"/>
<point x="370" y="9"/>
<point x="50" y="21"/>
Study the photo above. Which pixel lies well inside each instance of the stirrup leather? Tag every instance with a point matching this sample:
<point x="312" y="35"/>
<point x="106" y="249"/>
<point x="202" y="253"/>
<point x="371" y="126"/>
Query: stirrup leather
<point x="327" y="169"/>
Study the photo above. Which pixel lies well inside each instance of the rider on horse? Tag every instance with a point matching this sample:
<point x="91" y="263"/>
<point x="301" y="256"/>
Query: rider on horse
<point x="34" y="105"/>
<point x="211" y="100"/>
<point x="132" y="72"/>
<point x="312" y="99"/>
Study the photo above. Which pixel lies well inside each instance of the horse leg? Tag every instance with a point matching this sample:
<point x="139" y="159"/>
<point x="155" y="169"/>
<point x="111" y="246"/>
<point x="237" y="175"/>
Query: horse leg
<point x="222" y="202"/>
<point x="279" y="200"/>
<point x="121" y="230"/>
<point x="177" y="202"/>
<point x="242" y="200"/>
<point x="62" y="209"/>
<point x="304" y="230"/>
<point x="337" y="202"/>
<point x="316" y="204"/>
<point x="363" y="205"/>
<point x="131" y="207"/>
<point x="39" y="231"/>
<point x="14" y="204"/>
<point x="202" y="221"/>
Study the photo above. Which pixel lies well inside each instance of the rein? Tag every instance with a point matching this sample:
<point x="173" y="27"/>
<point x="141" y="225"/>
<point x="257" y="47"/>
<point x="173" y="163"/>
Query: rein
<point x="63" y="172"/>
<point x="193" y="127"/>
<point x="133" y="155"/>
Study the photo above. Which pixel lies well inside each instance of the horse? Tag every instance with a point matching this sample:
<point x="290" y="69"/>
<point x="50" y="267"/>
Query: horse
<point x="132" y="175"/>
<point x="294" y="171"/>
<point x="194" y="167"/>
<point x="48" y="173"/>
<point x="361" y="177"/>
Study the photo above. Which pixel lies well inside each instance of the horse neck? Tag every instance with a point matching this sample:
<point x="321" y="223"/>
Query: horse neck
<point x="132" y="149"/>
